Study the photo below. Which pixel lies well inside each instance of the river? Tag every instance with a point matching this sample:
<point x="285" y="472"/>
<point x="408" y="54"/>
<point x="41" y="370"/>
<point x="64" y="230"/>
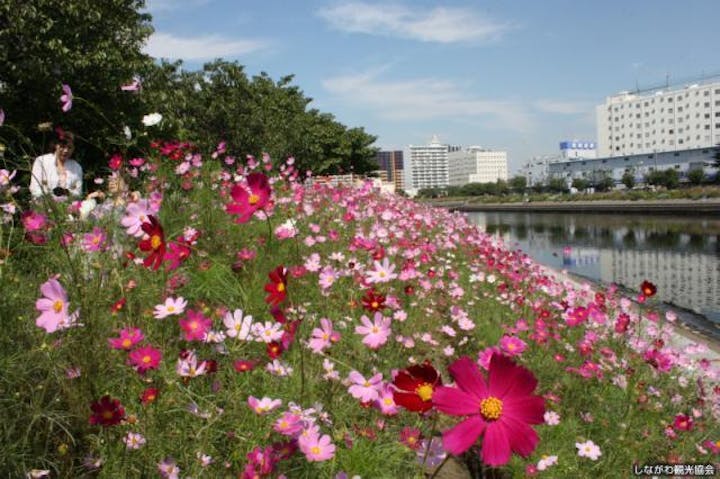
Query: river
<point x="679" y="254"/>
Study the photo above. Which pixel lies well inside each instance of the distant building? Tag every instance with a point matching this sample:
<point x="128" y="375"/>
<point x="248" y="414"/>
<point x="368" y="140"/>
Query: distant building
<point x="640" y="165"/>
<point x="477" y="165"/>
<point x="575" y="149"/>
<point x="429" y="164"/>
<point x="392" y="167"/>
<point x="536" y="170"/>
<point x="656" y="120"/>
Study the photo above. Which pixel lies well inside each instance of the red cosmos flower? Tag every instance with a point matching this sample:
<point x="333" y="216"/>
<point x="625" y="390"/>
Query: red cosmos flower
<point x="373" y="301"/>
<point x="414" y="387"/>
<point x="148" y="396"/>
<point x="276" y="288"/>
<point x="118" y="305"/>
<point x="248" y="199"/>
<point x="683" y="422"/>
<point x="648" y="289"/>
<point x="107" y="412"/>
<point x="177" y="253"/>
<point x="274" y="350"/>
<point x="155" y="243"/>
<point x="502" y="408"/>
<point x="244" y="365"/>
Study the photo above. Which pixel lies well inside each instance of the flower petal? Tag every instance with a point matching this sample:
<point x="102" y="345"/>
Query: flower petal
<point x="507" y="379"/>
<point x="528" y="409"/>
<point x="459" y="439"/>
<point x="496" y="446"/>
<point x="455" y="402"/>
<point x="468" y="377"/>
<point x="523" y="439"/>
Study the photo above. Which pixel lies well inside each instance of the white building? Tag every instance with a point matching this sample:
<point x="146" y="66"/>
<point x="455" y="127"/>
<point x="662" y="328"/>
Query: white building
<point x="650" y="121"/>
<point x="537" y="170"/>
<point x="429" y="166"/>
<point x="477" y="165"/>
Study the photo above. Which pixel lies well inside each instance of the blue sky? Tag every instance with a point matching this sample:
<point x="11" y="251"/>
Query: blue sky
<point x="514" y="75"/>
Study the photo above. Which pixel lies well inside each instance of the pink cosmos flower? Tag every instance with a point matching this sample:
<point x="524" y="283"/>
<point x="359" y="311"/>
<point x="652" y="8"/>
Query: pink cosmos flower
<point x="6" y="176"/>
<point x="145" y="358"/>
<point x="289" y="424"/>
<point x="376" y="332"/>
<point x="129" y="337"/>
<point x="512" y="345"/>
<point x="53" y="307"/>
<point x="134" y="440"/>
<point x="95" y="240"/>
<point x="188" y="367"/>
<point x="168" y="469"/>
<point x="386" y="401"/>
<point x="134" y="85"/>
<point x="66" y="98"/>
<point x="588" y="449"/>
<point x="264" y="405"/>
<point x="317" y="448"/>
<point x="175" y="255"/>
<point x="33" y="221"/>
<point x="249" y="199"/>
<point x="366" y="390"/>
<point x="383" y="272"/>
<point x="195" y="325"/>
<point x="323" y="336"/>
<point x="136" y="214"/>
<point x="501" y="407"/>
<point x="172" y="306"/>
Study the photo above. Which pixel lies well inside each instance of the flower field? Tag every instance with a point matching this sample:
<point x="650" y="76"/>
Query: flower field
<point x="239" y="318"/>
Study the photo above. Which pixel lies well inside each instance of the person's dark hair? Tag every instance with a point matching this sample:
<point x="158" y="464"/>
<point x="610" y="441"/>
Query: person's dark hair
<point x="62" y="138"/>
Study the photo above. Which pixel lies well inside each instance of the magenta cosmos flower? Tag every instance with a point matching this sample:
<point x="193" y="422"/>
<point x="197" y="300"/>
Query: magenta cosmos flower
<point x="249" y="199"/>
<point x="54" y="308"/>
<point x="502" y="407"/>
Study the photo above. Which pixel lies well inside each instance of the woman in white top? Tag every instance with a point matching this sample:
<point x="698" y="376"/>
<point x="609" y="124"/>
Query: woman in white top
<point x="55" y="173"/>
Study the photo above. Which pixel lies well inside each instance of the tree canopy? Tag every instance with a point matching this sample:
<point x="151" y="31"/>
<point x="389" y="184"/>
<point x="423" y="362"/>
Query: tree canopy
<point x="95" y="47"/>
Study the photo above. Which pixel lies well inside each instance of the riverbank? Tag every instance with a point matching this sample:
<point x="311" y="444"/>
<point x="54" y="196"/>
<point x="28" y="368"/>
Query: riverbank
<point x="656" y="207"/>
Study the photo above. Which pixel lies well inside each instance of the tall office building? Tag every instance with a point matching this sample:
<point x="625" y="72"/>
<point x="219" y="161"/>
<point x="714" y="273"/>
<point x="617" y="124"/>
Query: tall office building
<point x="429" y="164"/>
<point x="656" y="120"/>
<point x="477" y="165"/>
<point x="391" y="165"/>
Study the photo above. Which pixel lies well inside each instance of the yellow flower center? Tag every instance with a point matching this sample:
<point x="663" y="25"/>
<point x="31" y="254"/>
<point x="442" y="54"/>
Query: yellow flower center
<point x="388" y="401"/>
<point x="155" y="241"/>
<point x="325" y="336"/>
<point x="107" y="414"/>
<point x="491" y="408"/>
<point x="58" y="305"/>
<point x="315" y="450"/>
<point x="146" y="359"/>
<point x="374" y="305"/>
<point x="194" y="325"/>
<point x="253" y="199"/>
<point x="126" y="343"/>
<point x="171" y="309"/>
<point x="425" y="391"/>
<point x="411" y="440"/>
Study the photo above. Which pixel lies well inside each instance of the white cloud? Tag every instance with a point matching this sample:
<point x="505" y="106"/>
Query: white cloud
<point x="169" y="5"/>
<point x="165" y="45"/>
<point x="425" y="98"/>
<point x="563" y="107"/>
<point x="440" y="24"/>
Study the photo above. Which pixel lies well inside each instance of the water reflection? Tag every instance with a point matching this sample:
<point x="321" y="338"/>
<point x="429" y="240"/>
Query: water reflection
<point x="680" y="255"/>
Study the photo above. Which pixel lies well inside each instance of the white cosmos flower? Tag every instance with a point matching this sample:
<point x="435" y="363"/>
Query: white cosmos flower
<point x="152" y="119"/>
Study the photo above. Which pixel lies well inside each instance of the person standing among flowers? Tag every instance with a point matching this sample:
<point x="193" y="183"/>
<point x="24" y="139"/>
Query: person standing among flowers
<point x="55" y="173"/>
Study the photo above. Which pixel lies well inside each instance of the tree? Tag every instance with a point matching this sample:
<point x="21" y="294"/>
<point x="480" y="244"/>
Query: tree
<point x="696" y="176"/>
<point x="580" y="184"/>
<point x="518" y="183"/>
<point x="557" y="185"/>
<point x="604" y="181"/>
<point x="628" y="179"/>
<point x="94" y="47"/>
<point x="671" y="179"/>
